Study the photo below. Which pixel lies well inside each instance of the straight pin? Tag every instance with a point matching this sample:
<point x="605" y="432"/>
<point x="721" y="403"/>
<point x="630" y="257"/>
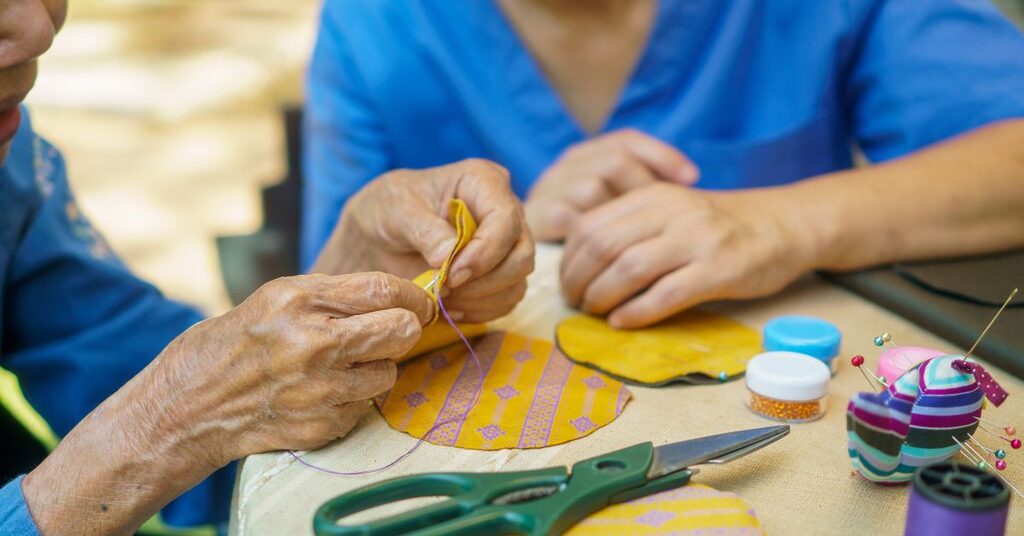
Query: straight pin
<point x="993" y="321"/>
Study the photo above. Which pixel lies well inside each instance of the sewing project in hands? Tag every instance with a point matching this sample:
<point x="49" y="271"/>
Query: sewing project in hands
<point x="694" y="347"/>
<point x="531" y="396"/>
<point x="438" y="334"/>
<point x="691" y="509"/>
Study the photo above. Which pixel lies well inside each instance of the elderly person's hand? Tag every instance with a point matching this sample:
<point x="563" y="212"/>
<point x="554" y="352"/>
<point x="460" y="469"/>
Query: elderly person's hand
<point x="660" y="249"/>
<point x="596" y="171"/>
<point x="399" y="224"/>
<point x="292" y="367"/>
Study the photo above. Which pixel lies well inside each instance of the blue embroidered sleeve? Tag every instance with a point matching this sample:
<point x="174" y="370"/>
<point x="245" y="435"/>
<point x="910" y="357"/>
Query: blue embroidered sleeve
<point x="77" y="324"/>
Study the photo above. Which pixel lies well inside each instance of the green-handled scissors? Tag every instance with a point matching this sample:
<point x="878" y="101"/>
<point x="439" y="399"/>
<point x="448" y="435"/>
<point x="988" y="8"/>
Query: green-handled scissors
<point x="543" y="501"/>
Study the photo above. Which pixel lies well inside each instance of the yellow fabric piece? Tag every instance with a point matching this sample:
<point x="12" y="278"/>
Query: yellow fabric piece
<point x="695" y="342"/>
<point x="691" y="509"/>
<point x="440" y="334"/>
<point x="460" y="218"/>
<point x="532" y="396"/>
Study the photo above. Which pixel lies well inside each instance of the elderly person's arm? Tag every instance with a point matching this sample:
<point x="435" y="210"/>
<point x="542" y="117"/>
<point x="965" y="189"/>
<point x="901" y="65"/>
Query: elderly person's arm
<point x="290" y="368"/>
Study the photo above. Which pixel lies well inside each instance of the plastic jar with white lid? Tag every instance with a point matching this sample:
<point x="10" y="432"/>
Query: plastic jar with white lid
<point x="787" y="386"/>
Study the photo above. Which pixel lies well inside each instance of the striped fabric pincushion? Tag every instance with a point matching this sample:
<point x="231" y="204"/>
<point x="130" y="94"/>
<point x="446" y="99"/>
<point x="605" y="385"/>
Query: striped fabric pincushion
<point x="914" y="421"/>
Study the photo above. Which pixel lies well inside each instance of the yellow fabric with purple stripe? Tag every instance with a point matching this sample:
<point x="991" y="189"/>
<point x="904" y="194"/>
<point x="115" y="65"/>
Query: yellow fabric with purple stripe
<point x="693" y="509"/>
<point x="913" y="422"/>
<point x="532" y="396"/>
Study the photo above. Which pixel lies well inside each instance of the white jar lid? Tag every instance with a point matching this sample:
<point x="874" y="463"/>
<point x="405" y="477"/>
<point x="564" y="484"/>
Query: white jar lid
<point x="788" y="376"/>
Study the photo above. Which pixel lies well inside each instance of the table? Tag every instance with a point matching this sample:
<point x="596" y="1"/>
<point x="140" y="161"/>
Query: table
<point x="803" y="484"/>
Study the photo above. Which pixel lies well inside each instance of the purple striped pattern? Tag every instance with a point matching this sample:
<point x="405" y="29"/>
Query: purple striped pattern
<point x="449" y="421"/>
<point x="541" y="416"/>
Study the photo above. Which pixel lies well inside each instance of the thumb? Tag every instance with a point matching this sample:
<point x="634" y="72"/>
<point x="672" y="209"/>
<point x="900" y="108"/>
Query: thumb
<point x="427" y="233"/>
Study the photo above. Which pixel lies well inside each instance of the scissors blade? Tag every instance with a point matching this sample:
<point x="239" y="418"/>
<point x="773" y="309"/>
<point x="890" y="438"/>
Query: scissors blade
<point x="720" y="448"/>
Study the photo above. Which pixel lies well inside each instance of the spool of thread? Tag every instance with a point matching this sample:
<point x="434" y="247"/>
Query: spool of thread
<point x="893" y="362"/>
<point x="949" y="499"/>
<point x="803" y="334"/>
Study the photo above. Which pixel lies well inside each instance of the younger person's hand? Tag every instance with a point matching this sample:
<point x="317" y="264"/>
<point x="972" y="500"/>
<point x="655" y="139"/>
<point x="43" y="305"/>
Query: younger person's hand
<point x="596" y="171"/>
<point x="661" y="249"/>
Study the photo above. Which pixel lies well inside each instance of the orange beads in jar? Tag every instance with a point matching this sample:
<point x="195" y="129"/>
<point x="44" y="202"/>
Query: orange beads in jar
<point x="787" y="386"/>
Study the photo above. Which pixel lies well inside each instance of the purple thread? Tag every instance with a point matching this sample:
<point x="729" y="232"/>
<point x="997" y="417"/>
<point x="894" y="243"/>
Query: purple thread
<point x="476" y="398"/>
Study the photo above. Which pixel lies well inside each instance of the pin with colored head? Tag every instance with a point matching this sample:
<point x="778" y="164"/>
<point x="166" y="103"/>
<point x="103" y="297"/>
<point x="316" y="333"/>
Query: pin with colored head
<point x="995" y="457"/>
<point x="1008" y="430"/>
<point x="874" y="381"/>
<point x="979" y="460"/>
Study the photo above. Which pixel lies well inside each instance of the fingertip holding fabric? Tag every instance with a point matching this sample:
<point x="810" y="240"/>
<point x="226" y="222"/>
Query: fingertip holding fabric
<point x="459" y="277"/>
<point x="441" y="252"/>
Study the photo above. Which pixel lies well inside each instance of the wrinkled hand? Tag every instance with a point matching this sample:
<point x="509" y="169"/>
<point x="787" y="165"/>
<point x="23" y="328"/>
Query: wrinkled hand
<point x="399" y="224"/>
<point x="594" y="172"/>
<point x="293" y="366"/>
<point x="664" y="248"/>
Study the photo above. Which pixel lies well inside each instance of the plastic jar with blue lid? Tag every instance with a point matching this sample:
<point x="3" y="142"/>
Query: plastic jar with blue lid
<point x="806" y="335"/>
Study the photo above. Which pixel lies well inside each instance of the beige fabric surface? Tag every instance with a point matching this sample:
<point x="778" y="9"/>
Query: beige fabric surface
<point x="803" y="484"/>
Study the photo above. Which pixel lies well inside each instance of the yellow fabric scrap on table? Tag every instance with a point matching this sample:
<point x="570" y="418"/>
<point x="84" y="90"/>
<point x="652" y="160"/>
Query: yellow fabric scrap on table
<point x="440" y="334"/>
<point x="695" y="342"/>
<point x="691" y="509"/>
<point x="532" y="396"/>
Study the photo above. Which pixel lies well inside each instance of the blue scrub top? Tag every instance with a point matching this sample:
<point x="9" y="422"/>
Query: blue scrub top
<point x="76" y="324"/>
<point x="756" y="93"/>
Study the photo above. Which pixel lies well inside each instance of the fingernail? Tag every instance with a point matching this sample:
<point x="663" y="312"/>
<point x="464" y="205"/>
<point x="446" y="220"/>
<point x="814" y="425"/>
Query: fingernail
<point x="689" y="174"/>
<point x="459" y="277"/>
<point x="442" y="251"/>
<point x="456" y="315"/>
<point x="615" y="322"/>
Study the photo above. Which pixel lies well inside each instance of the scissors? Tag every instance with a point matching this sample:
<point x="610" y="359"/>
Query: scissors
<point x="542" y="501"/>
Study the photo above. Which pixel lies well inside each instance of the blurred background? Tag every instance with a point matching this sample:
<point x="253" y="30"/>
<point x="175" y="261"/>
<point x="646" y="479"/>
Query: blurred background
<point x="168" y="112"/>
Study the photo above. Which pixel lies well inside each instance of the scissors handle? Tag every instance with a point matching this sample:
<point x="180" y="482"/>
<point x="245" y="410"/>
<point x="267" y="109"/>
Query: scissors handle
<point x="472" y="508"/>
<point x="467" y="492"/>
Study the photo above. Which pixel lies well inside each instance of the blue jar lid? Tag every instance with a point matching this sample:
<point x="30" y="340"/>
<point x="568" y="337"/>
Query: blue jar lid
<point x="804" y="334"/>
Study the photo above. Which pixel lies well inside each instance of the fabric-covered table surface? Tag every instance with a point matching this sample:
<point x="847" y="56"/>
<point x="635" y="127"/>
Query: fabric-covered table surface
<point x="803" y="484"/>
